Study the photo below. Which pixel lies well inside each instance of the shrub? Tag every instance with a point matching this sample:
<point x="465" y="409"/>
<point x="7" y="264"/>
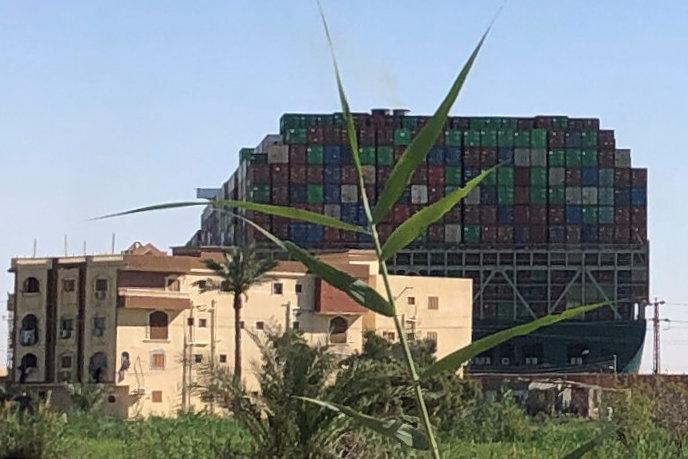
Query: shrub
<point x="40" y="434"/>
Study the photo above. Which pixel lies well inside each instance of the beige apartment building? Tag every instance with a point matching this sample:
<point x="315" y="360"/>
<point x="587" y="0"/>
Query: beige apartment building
<point x="139" y="323"/>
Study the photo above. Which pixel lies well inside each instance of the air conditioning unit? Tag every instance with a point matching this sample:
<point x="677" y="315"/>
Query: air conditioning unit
<point x="101" y="294"/>
<point x="65" y="334"/>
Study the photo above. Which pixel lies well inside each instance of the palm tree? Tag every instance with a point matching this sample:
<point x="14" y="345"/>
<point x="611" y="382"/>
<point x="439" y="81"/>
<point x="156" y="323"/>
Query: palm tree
<point x="239" y="270"/>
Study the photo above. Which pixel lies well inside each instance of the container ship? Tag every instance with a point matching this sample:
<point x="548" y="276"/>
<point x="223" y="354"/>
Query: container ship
<point x="562" y="222"/>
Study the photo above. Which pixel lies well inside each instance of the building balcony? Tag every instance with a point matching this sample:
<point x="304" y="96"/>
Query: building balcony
<point x="153" y="298"/>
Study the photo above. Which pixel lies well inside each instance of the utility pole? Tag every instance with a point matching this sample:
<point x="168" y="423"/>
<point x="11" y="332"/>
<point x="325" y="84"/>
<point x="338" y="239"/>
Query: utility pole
<point x="212" y="347"/>
<point x="656" y="355"/>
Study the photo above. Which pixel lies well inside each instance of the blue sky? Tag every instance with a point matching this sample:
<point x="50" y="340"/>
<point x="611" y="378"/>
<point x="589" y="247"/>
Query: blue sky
<point x="106" y="106"/>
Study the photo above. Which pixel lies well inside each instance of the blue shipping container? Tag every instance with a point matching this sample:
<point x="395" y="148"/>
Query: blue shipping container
<point x="622" y="197"/>
<point x="488" y="195"/>
<point x="589" y="176"/>
<point x="436" y="156"/>
<point x="332" y="174"/>
<point x="298" y="232"/>
<point x="297" y="194"/>
<point x="332" y="154"/>
<point x="470" y="173"/>
<point x="405" y="197"/>
<point x="364" y="238"/>
<point x="521" y="234"/>
<point x="346" y="157"/>
<point x="505" y="215"/>
<point x="557" y="235"/>
<point x="574" y="215"/>
<point x="314" y="233"/>
<point x="453" y="156"/>
<point x="638" y="196"/>
<point x="505" y="155"/>
<point x="332" y="193"/>
<point x="351" y="213"/>
<point x="589" y="233"/>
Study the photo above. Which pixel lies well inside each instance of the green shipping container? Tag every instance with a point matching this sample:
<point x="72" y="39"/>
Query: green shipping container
<point x="505" y="195"/>
<point x="452" y="138"/>
<point x="573" y="158"/>
<point x="258" y="159"/>
<point x="367" y="155"/>
<point x="557" y="195"/>
<point x="589" y="157"/>
<point x="590" y="215"/>
<point x="522" y="139"/>
<point x="606" y="177"/>
<point x="589" y="139"/>
<point x="471" y="234"/>
<point x="314" y="194"/>
<point x="409" y="122"/>
<point x="488" y="138"/>
<point x="260" y="194"/>
<point x="556" y="158"/>
<point x="490" y="179"/>
<point x="245" y="154"/>
<point x="538" y="177"/>
<point x="605" y="196"/>
<point x="449" y="188"/>
<point x="508" y="123"/>
<point x="402" y="137"/>
<point x="505" y="176"/>
<point x="296" y="135"/>
<point x="314" y="154"/>
<point x="385" y="155"/>
<point x="538" y="138"/>
<point x="505" y="310"/>
<point x="605" y="215"/>
<point x="452" y="175"/>
<point x="538" y="196"/>
<point x="505" y="137"/>
<point x="560" y="123"/>
<point x="471" y="138"/>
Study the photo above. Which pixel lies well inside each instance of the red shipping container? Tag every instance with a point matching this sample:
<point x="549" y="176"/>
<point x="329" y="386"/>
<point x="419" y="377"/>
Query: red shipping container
<point x="639" y="178"/>
<point x="639" y="216"/>
<point x="488" y="157"/>
<point x="525" y="123"/>
<point x="317" y="208"/>
<point x="622" y="178"/>
<point x="488" y="234"/>
<point x="638" y="234"/>
<point x="538" y="233"/>
<point x="538" y="215"/>
<point x="572" y="177"/>
<point x="435" y="193"/>
<point x="557" y="215"/>
<point x="385" y="136"/>
<point x="471" y="157"/>
<point x="471" y="215"/>
<point x="281" y="220"/>
<point x="279" y="174"/>
<point x="258" y="173"/>
<point x="314" y="174"/>
<point x="331" y="134"/>
<point x="436" y="233"/>
<point x="383" y="174"/>
<point x="252" y="234"/>
<point x="330" y="234"/>
<point x="521" y="195"/>
<point x="297" y="174"/>
<point x="505" y="234"/>
<point x="436" y="175"/>
<point x="280" y="195"/>
<point x="488" y="215"/>
<point x="370" y="192"/>
<point x="459" y="122"/>
<point x="543" y="122"/>
<point x="606" y="234"/>
<point x="522" y="176"/>
<point x="622" y="216"/>
<point x="366" y="136"/>
<point x="348" y="236"/>
<point x="605" y="158"/>
<point x="297" y="154"/>
<point x="622" y="234"/>
<point x="401" y="213"/>
<point x="281" y="230"/>
<point x="557" y="139"/>
<point x="315" y="134"/>
<point x="349" y="175"/>
<point x="573" y="234"/>
<point x="384" y="230"/>
<point x="398" y="151"/>
<point x="605" y="138"/>
<point x="454" y="215"/>
<point x="521" y="215"/>
<point x="258" y="217"/>
<point x="420" y="176"/>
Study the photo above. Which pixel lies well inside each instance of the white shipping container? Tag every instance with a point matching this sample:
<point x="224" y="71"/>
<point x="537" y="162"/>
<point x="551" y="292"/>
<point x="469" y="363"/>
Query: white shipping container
<point x="538" y="157"/>
<point x="622" y="158"/>
<point x="333" y="210"/>
<point x="473" y="197"/>
<point x="271" y="139"/>
<point x="589" y="195"/>
<point x="452" y="233"/>
<point x="278" y="154"/>
<point x="349" y="193"/>
<point x="419" y="194"/>
<point x="557" y="176"/>
<point x="573" y="196"/>
<point x="522" y="157"/>
<point x="368" y="174"/>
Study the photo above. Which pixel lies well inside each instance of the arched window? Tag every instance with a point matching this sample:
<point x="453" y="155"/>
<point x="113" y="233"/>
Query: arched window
<point x="28" y="334"/>
<point x="338" y="329"/>
<point x="28" y="364"/>
<point x="97" y="367"/>
<point x="158" y="322"/>
<point x="31" y="285"/>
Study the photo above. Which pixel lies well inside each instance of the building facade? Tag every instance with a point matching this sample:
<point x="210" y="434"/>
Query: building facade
<point x="139" y="323"/>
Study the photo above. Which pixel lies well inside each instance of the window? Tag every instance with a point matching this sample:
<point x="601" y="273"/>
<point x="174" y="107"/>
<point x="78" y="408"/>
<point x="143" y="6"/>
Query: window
<point x="98" y="326"/>
<point x="112" y="399"/>
<point x="156" y="396"/>
<point x="31" y="285"/>
<point x="298" y="288"/>
<point x="172" y="285"/>
<point x="338" y="328"/>
<point x="202" y="323"/>
<point x="101" y="288"/>
<point x="431" y="336"/>
<point x="158" y="322"/>
<point x="68" y="285"/>
<point x="198" y="358"/>
<point x="295" y="325"/>
<point x="190" y="321"/>
<point x="28" y="364"/>
<point x="389" y="336"/>
<point x="97" y="367"/>
<point x="28" y="334"/>
<point x="277" y="288"/>
<point x="411" y="336"/>
<point x="66" y="361"/>
<point x="66" y="328"/>
<point x="158" y="360"/>
<point x="411" y="300"/>
<point x="241" y="324"/>
<point x="433" y="302"/>
<point x="260" y="325"/>
<point x="223" y="358"/>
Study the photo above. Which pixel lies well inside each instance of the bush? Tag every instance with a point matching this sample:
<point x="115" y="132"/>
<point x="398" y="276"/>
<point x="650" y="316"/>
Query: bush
<point x="40" y="434"/>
